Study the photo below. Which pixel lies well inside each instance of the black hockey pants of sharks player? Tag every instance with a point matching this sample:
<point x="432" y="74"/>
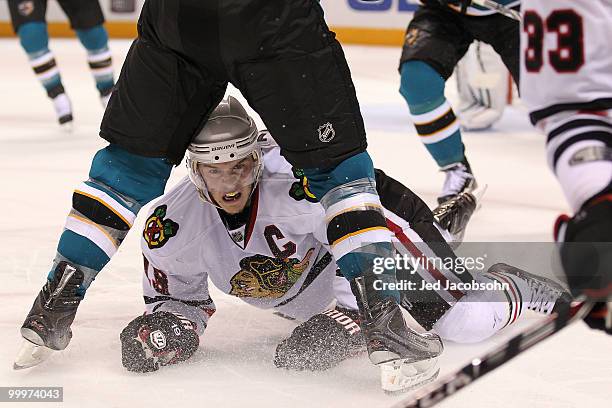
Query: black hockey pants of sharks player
<point x="246" y="221"/>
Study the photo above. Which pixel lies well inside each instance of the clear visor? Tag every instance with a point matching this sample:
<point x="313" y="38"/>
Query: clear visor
<point x="229" y="177"/>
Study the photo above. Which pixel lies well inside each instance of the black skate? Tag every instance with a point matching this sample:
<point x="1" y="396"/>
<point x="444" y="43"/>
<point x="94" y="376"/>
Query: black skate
<point x="407" y="359"/>
<point x="322" y="342"/>
<point x="547" y="296"/>
<point x="459" y="179"/>
<point x="454" y="214"/>
<point x="47" y="326"/>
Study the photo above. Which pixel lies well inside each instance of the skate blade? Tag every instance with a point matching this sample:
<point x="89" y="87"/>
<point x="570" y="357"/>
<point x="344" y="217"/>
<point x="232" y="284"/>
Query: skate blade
<point x="401" y="376"/>
<point x="478" y="193"/>
<point x="31" y="355"/>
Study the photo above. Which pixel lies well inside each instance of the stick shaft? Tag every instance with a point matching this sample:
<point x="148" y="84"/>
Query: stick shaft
<point x="501" y="9"/>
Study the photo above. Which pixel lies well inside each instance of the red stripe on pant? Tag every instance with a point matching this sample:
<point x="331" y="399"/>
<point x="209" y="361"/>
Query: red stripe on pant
<point x="409" y="245"/>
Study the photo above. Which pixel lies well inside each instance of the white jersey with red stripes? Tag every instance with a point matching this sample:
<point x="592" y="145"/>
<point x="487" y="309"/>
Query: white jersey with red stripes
<point x="280" y="259"/>
<point x="566" y="58"/>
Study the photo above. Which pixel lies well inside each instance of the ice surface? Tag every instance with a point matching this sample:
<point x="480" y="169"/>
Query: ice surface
<point x="40" y="165"/>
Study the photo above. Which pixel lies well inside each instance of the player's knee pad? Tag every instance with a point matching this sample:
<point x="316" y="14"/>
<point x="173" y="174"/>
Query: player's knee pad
<point x="34" y="37"/>
<point x="421" y="86"/>
<point x="95" y="38"/>
<point x="580" y="154"/>
<point x="586" y="253"/>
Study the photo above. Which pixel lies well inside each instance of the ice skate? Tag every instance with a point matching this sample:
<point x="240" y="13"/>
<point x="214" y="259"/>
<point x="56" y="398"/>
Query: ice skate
<point x="47" y="326"/>
<point x="30" y="355"/>
<point x="63" y="111"/>
<point x="407" y="359"/>
<point x="459" y="179"/>
<point x="399" y="376"/>
<point x="454" y="214"/>
<point x="546" y="295"/>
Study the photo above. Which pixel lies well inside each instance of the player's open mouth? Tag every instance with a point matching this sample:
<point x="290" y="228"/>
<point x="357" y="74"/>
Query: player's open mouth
<point x="231" y="196"/>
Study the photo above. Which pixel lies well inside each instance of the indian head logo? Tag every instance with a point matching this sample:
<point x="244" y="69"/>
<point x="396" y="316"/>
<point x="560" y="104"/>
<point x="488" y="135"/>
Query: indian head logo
<point x="157" y="231"/>
<point x="261" y="276"/>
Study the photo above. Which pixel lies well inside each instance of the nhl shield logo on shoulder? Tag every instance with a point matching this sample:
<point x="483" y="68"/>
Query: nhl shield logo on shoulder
<point x="326" y="132"/>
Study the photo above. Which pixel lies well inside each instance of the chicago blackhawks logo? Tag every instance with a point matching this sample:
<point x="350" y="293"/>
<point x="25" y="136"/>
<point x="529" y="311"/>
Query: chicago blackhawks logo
<point x="261" y="276"/>
<point x="299" y="190"/>
<point x="157" y="230"/>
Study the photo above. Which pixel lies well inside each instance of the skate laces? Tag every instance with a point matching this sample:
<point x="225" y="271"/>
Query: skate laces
<point x="456" y="179"/>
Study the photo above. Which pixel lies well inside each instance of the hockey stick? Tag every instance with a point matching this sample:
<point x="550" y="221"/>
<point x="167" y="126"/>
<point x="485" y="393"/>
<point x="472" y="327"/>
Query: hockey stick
<point x="501" y="9"/>
<point x="478" y="367"/>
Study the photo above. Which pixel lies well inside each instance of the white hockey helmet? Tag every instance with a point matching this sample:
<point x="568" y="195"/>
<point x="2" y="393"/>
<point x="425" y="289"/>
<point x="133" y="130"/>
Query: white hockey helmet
<point x="229" y="135"/>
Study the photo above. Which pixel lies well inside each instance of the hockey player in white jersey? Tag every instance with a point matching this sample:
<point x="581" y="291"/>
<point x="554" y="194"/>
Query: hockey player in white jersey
<point x="566" y="82"/>
<point x="246" y="221"/>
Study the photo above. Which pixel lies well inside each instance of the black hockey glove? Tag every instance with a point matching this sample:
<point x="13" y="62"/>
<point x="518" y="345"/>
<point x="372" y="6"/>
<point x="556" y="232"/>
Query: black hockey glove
<point x="322" y="342"/>
<point x="155" y="340"/>
<point x="600" y="317"/>
<point x="586" y="255"/>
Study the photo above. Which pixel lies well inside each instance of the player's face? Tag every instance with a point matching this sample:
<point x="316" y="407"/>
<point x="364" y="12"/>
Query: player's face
<point x="229" y="184"/>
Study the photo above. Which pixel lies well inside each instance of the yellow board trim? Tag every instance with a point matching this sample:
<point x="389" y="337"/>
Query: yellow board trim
<point x="127" y="29"/>
<point x="352" y="234"/>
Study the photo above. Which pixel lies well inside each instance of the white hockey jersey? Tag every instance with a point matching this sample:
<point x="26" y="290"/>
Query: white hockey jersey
<point x="279" y="260"/>
<point x="566" y="63"/>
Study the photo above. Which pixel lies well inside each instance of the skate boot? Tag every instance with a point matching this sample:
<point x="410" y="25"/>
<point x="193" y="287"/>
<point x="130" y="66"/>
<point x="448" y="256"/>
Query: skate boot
<point x="545" y="295"/>
<point x="47" y="326"/>
<point x="454" y="214"/>
<point x="63" y="110"/>
<point x="459" y="179"/>
<point x="407" y="359"/>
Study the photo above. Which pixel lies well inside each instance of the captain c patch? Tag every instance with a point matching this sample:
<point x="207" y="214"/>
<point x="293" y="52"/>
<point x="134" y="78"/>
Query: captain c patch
<point x="157" y="230"/>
